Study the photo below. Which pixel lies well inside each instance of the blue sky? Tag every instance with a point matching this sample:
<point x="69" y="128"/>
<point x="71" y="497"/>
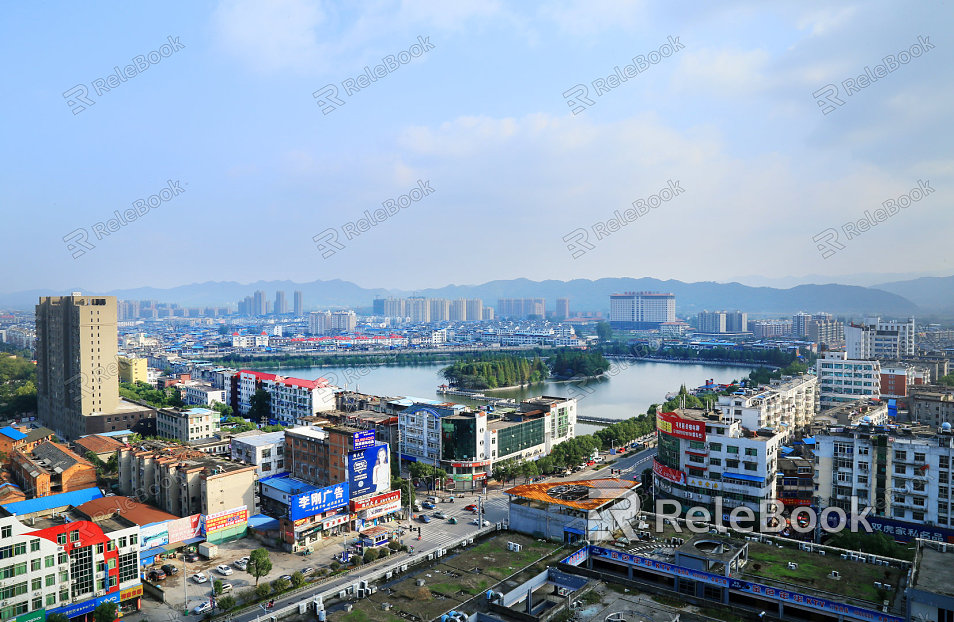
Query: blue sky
<point x="482" y="117"/>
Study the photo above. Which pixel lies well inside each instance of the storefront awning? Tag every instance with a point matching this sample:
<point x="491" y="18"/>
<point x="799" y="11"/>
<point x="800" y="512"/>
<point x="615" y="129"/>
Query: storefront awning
<point x="744" y="476"/>
<point x="176" y="545"/>
<point x="573" y="530"/>
<point x="159" y="550"/>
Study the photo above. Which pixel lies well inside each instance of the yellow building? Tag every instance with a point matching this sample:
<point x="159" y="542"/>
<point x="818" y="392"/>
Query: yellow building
<point x="132" y="369"/>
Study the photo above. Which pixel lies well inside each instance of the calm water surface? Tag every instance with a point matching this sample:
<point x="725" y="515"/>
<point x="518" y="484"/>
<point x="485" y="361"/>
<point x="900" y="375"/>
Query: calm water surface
<point x="629" y="391"/>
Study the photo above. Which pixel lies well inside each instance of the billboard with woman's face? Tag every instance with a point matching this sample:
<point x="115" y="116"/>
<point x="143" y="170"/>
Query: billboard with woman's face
<point x="369" y="470"/>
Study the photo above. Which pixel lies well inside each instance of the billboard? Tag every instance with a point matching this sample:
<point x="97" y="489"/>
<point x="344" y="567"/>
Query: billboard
<point x="673" y="424"/>
<point x="363" y="440"/>
<point x="317" y="501"/>
<point x="225" y="520"/>
<point x="183" y="529"/>
<point x="386" y="498"/>
<point x="673" y="475"/>
<point x="369" y="471"/>
<point x="151" y="536"/>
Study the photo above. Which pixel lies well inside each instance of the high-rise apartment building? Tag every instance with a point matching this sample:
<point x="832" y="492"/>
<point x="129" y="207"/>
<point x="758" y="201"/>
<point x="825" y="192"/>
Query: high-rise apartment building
<point x="259" y="304"/>
<point x="281" y="305"/>
<point x="824" y="331"/>
<point x="843" y="379"/>
<point x="419" y="310"/>
<point x="800" y="323"/>
<point x="736" y="322"/>
<point x="475" y="309"/>
<point x="299" y="303"/>
<point x="641" y="310"/>
<point x="518" y="308"/>
<point x="874" y="339"/>
<point x="77" y="363"/>
<point x="562" y="308"/>
<point x="440" y="310"/>
<point x="711" y="321"/>
<point x="344" y="321"/>
<point x="319" y="322"/>
<point x="458" y="310"/>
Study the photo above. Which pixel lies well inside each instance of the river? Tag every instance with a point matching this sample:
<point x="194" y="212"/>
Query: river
<point x="629" y="388"/>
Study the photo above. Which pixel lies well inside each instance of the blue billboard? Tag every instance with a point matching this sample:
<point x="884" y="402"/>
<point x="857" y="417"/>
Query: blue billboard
<point x="317" y="501"/>
<point x="369" y="470"/>
<point x="363" y="440"/>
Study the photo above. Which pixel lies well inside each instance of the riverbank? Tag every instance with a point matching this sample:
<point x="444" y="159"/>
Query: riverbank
<point x="655" y="359"/>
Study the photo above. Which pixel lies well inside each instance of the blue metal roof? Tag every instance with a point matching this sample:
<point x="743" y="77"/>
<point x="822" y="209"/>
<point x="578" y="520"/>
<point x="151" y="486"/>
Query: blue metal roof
<point x="265" y="523"/>
<point x="76" y="497"/>
<point x="13" y="433"/>
<point x="288" y="485"/>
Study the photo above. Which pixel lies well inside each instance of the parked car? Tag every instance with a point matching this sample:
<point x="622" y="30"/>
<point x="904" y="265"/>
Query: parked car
<point x="241" y="563"/>
<point x="203" y="607"/>
<point x="308" y="570"/>
<point x="287" y="577"/>
<point x="226" y="588"/>
<point x="440" y="514"/>
<point x="475" y="522"/>
<point x="191" y="557"/>
<point x="156" y="574"/>
<point x="200" y="577"/>
<point x="223" y="569"/>
<point x="169" y="569"/>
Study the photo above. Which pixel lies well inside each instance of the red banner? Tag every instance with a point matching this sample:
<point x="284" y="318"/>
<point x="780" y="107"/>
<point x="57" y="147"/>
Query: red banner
<point x="794" y="502"/>
<point x="674" y="425"/>
<point x="673" y="475"/>
<point x="363" y="504"/>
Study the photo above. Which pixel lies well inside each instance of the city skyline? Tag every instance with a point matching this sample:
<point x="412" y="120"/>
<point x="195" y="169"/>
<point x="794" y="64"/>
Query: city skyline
<point x="717" y="122"/>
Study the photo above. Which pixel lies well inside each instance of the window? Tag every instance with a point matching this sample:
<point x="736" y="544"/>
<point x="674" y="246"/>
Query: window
<point x="133" y="539"/>
<point x="35" y="564"/>
<point x="6" y="531"/>
<point x="122" y="542"/>
<point x="34" y="545"/>
<point x="36" y="584"/>
<point x="19" y="548"/>
<point x="74" y="536"/>
<point x="715" y="461"/>
<point x="732" y="449"/>
<point x="900" y="455"/>
<point x="49" y="561"/>
<point x="919" y="457"/>
<point x="50" y="600"/>
<point x="715" y="446"/>
<point x="751" y="451"/>
<point x="751" y="466"/>
<point x="899" y="469"/>
<point x="50" y="580"/>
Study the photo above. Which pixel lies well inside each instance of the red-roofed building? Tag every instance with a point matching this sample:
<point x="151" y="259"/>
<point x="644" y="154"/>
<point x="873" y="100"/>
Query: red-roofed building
<point x="291" y="399"/>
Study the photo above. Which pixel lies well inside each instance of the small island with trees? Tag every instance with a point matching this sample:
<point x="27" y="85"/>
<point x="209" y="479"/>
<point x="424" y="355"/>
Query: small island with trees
<point x="501" y="370"/>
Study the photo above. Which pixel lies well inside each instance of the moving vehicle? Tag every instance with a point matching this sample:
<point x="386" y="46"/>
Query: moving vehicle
<point x="203" y="607"/>
<point x="427" y="505"/>
<point x="169" y="569"/>
<point x="470" y="507"/>
<point x="452" y="520"/>
<point x="440" y="514"/>
<point x="223" y="569"/>
<point x="424" y="518"/>
<point x="156" y="574"/>
<point x="431" y="499"/>
<point x="200" y="577"/>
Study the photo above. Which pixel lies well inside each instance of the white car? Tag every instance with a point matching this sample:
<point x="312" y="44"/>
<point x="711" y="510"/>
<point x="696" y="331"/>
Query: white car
<point x="241" y="564"/>
<point x="226" y="588"/>
<point x="200" y="577"/>
<point x="201" y="608"/>
<point x="223" y="569"/>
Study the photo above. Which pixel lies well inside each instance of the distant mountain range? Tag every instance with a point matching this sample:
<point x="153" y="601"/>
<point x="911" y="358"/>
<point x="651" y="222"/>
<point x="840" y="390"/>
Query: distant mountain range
<point x="901" y="298"/>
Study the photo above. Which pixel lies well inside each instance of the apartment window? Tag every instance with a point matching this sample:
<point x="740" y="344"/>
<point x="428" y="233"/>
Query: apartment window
<point x="133" y="539"/>
<point x="35" y="564"/>
<point x="942" y="491"/>
<point x="862" y="479"/>
<point x="34" y="545"/>
<point x="715" y="446"/>
<point x="899" y="469"/>
<point x="900" y="455"/>
<point x="751" y="466"/>
<point x="74" y="537"/>
<point x="919" y="457"/>
<point x="715" y="461"/>
<point x="732" y="464"/>
<point x="6" y="531"/>
<point x="942" y="477"/>
<point x="918" y="516"/>
<point x="943" y="462"/>
<point x="50" y="600"/>
<point x="50" y="580"/>
<point x="696" y="445"/>
<point x="732" y="449"/>
<point x="49" y="561"/>
<point x="36" y="584"/>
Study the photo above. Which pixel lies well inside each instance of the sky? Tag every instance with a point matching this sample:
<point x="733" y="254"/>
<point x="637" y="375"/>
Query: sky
<point x="251" y="143"/>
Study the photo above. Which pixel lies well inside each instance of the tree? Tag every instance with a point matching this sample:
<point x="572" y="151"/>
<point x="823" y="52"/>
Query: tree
<point x="260" y="407"/>
<point x="105" y="612"/>
<point x="263" y="590"/>
<point x="298" y="579"/>
<point x="247" y="595"/>
<point x="604" y="331"/>
<point x="334" y="565"/>
<point x="217" y="587"/>
<point x="259" y="564"/>
<point x="279" y="585"/>
<point x="370" y="555"/>
<point x="226" y="603"/>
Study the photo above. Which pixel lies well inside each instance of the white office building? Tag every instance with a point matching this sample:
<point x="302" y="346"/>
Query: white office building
<point x="843" y="379"/>
<point x="708" y="455"/>
<point x="202" y="394"/>
<point x="265" y="450"/>
<point x="187" y="425"/>
<point x="786" y="406"/>
<point x="290" y="398"/>
<point x="874" y="339"/>
<point x="641" y="310"/>
<point x="914" y="460"/>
